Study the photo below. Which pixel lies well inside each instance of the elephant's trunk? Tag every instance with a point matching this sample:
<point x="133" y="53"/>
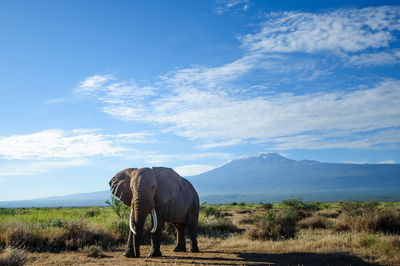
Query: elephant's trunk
<point x="138" y="219"/>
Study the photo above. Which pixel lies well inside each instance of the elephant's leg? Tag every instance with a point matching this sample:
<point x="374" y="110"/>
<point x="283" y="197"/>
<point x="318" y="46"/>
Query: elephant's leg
<point x="129" y="246"/>
<point x="156" y="239"/>
<point x="192" y="228"/>
<point x="180" y="245"/>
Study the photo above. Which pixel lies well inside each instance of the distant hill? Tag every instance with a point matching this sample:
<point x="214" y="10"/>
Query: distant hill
<point x="272" y="177"/>
<point x="269" y="177"/>
<point x="74" y="200"/>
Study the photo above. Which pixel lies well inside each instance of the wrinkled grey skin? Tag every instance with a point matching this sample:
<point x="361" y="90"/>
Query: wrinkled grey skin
<point x="172" y="197"/>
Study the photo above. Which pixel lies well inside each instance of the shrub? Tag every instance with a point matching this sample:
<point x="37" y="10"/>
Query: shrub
<point x="385" y="221"/>
<point x="119" y="207"/>
<point x="92" y="213"/>
<point x="94" y="251"/>
<point x="299" y="208"/>
<point x="210" y="211"/>
<point x="266" y="206"/>
<point x="212" y="226"/>
<point x="119" y="229"/>
<point x="13" y="257"/>
<point x="329" y="213"/>
<point x="388" y="221"/>
<point x="274" y="227"/>
<point x="355" y="208"/>
<point x="56" y="223"/>
<point x="247" y="220"/>
<point x="7" y="211"/>
<point x="314" y="222"/>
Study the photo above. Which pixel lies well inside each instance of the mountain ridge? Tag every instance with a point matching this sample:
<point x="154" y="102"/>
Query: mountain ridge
<point x="268" y="177"/>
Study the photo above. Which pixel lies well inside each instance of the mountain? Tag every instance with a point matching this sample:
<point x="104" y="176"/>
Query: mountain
<point x="74" y="200"/>
<point x="269" y="177"/>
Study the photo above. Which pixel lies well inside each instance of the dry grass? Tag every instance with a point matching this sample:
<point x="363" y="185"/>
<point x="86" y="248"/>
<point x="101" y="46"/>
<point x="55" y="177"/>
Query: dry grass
<point x="384" y="249"/>
<point x="385" y="221"/>
<point x="282" y="226"/>
<point x="314" y="222"/>
<point x="13" y="257"/>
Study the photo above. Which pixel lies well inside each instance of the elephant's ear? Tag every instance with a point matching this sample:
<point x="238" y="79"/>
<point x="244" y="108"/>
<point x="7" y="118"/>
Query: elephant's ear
<point x="120" y="185"/>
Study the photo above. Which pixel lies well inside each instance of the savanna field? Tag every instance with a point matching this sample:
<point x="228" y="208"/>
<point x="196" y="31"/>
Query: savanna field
<point x="290" y="232"/>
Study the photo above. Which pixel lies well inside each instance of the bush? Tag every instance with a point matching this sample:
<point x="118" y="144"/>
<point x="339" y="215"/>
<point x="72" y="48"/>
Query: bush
<point x="385" y="221"/>
<point x="210" y="211"/>
<point x="120" y="209"/>
<point x="314" y="222"/>
<point x="266" y="206"/>
<point x="212" y="226"/>
<point x="299" y="208"/>
<point x="92" y="213"/>
<point x="329" y="213"/>
<point x="354" y="208"/>
<point x="13" y="257"/>
<point x="7" y="211"/>
<point x="274" y="227"/>
<point x="94" y="251"/>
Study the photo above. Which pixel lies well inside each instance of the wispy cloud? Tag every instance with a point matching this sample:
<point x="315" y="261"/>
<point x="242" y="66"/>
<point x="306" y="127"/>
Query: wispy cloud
<point x="156" y="158"/>
<point x="193" y="169"/>
<point x="387" y="162"/>
<point x="38" y="167"/>
<point x="228" y="5"/>
<point x="211" y="104"/>
<point x="60" y="144"/>
<point x="376" y="59"/>
<point x="344" y="30"/>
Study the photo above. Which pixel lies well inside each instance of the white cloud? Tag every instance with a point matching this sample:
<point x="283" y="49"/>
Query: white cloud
<point x="206" y="104"/>
<point x="387" y="162"/>
<point x="356" y="162"/>
<point x="347" y="30"/>
<point x="378" y="59"/>
<point x="218" y="118"/>
<point x="156" y="159"/>
<point x="227" y="5"/>
<point x="227" y="143"/>
<point x="193" y="169"/>
<point x="60" y="144"/>
<point x="38" y="167"/>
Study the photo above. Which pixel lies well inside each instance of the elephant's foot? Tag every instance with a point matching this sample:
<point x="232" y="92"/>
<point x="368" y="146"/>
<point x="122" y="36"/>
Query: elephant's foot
<point x="179" y="248"/>
<point x="155" y="253"/>
<point x="194" y="249"/>
<point x="129" y="253"/>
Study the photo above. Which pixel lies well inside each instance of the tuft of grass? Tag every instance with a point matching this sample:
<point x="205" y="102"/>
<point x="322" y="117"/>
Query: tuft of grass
<point x="94" y="251"/>
<point x="356" y="208"/>
<point x="210" y="211"/>
<point x="314" y="222"/>
<point x="385" y="221"/>
<point x="281" y="226"/>
<point x="212" y="226"/>
<point x="13" y="257"/>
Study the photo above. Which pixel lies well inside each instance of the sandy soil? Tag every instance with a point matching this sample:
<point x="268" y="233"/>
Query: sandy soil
<point x="210" y="256"/>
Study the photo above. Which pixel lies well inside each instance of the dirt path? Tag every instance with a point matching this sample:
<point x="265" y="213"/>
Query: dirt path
<point x="210" y="256"/>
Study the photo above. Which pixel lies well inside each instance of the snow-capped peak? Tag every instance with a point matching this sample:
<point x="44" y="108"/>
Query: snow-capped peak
<point x="260" y="155"/>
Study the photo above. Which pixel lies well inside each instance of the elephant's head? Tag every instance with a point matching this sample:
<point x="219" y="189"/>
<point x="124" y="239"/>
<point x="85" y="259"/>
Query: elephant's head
<point x="137" y="188"/>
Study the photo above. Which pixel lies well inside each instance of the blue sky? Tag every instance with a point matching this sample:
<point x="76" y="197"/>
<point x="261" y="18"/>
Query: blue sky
<point x="88" y="88"/>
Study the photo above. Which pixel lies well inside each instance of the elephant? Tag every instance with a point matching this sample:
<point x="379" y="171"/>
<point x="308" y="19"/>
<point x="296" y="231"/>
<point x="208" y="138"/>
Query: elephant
<point x="167" y="196"/>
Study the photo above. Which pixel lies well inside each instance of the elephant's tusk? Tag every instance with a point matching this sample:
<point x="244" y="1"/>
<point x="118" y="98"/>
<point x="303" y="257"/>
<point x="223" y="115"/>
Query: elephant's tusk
<point x="130" y="223"/>
<point x="154" y="214"/>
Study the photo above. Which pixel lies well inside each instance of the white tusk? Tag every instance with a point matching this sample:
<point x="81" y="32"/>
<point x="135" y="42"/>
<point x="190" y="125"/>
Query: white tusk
<point x="130" y="223"/>
<point x="154" y="214"/>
